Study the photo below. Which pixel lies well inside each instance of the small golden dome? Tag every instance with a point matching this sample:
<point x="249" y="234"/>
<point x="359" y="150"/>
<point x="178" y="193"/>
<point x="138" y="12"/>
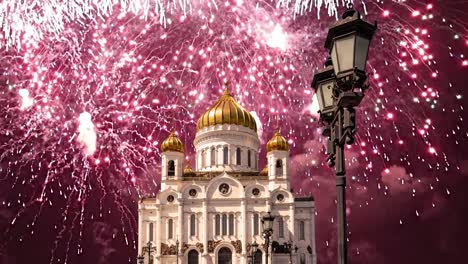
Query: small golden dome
<point x="172" y="143"/>
<point x="264" y="172"/>
<point x="227" y="111"/>
<point x="277" y="142"/>
<point x="188" y="169"/>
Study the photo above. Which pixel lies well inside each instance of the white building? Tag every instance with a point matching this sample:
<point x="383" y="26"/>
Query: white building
<point x="215" y="211"/>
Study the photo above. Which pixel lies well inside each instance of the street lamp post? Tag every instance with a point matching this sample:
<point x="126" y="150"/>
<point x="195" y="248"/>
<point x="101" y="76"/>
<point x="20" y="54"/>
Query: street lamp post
<point x="340" y="87"/>
<point x="267" y="222"/>
<point x="148" y="249"/>
<point x="177" y="251"/>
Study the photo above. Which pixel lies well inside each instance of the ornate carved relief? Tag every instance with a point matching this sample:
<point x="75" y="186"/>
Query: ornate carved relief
<point x="168" y="249"/>
<point x="200" y="247"/>
<point x="237" y="245"/>
<point x="212" y="245"/>
<point x="186" y="246"/>
<point x="309" y="249"/>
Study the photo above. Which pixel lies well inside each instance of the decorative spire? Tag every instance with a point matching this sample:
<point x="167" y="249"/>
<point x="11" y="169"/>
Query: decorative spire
<point x="226" y="88"/>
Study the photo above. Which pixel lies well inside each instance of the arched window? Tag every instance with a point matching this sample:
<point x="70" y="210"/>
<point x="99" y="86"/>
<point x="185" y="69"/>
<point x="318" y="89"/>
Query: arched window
<point x="192" y="257"/>
<point x="213" y="156"/>
<point x="170" y="229"/>
<point x="255" y="224"/>
<point x="231" y="224"/>
<point x="171" y="168"/>
<point x="279" y="167"/>
<point x="238" y="156"/>
<point x="224" y="256"/>
<point x="249" y="161"/>
<point x="151" y="232"/>
<point x="217" y="224"/>
<point x="192" y="225"/>
<point x="301" y="230"/>
<point x="280" y="227"/>
<point x="225" y="155"/>
<point x="224" y="224"/>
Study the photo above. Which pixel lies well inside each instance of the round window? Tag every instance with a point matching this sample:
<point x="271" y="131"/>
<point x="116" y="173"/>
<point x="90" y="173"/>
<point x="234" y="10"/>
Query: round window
<point x="224" y="188"/>
<point x="193" y="192"/>
<point x="170" y="198"/>
<point x="280" y="197"/>
<point x="255" y="191"/>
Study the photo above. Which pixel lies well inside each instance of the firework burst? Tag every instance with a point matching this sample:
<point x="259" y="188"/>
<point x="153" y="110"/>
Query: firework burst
<point x="90" y="88"/>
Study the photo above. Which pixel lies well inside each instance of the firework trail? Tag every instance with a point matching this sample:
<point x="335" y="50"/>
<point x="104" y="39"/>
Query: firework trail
<point x="90" y="88"/>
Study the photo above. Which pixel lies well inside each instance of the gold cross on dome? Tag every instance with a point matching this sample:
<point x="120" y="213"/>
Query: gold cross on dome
<point x="226" y="88"/>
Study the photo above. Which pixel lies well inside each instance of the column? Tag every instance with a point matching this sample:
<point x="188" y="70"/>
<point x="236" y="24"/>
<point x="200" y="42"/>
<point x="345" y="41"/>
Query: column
<point x="230" y="155"/>
<point x="205" y="232"/>
<point x="291" y="222"/>
<point x="198" y="164"/>
<point x="272" y="167"/>
<point x="140" y="231"/>
<point x="244" y="226"/>
<point x="180" y="229"/>
<point x="158" y="234"/>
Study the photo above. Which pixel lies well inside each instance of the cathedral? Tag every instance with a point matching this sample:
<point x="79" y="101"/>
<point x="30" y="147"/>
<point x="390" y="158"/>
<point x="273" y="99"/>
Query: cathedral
<point x="212" y="214"/>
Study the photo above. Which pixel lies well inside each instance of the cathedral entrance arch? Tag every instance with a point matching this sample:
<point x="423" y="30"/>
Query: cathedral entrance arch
<point x="192" y="257"/>
<point x="224" y="256"/>
<point x="258" y="257"/>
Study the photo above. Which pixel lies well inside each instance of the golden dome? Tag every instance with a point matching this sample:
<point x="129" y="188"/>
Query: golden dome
<point x="264" y="172"/>
<point x="172" y="143"/>
<point x="277" y="142"/>
<point x="227" y="111"/>
<point x="188" y="169"/>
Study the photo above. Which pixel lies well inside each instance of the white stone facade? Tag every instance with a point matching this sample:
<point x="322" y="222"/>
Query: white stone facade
<point x="215" y="212"/>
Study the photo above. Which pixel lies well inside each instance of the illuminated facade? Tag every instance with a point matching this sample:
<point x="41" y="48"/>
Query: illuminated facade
<point x="215" y="211"/>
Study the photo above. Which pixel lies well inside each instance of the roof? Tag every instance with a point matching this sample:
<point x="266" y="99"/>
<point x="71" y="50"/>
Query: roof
<point x="304" y="199"/>
<point x="206" y="176"/>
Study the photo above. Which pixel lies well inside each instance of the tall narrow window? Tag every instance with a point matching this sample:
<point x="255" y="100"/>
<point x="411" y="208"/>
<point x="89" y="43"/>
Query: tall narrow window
<point x="151" y="232"/>
<point x="231" y="224"/>
<point x="171" y="168"/>
<point x="217" y="225"/>
<point x="224" y="224"/>
<point x="249" y="161"/>
<point x="213" y="156"/>
<point x="225" y="155"/>
<point x="170" y="229"/>
<point x="192" y="225"/>
<point x="238" y="156"/>
<point x="280" y="227"/>
<point x="301" y="230"/>
<point x="255" y="224"/>
<point x="279" y="167"/>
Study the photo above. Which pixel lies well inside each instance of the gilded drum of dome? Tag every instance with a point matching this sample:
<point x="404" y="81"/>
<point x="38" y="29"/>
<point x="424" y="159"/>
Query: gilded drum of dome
<point x="172" y="143"/>
<point x="277" y="142"/>
<point x="227" y="111"/>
